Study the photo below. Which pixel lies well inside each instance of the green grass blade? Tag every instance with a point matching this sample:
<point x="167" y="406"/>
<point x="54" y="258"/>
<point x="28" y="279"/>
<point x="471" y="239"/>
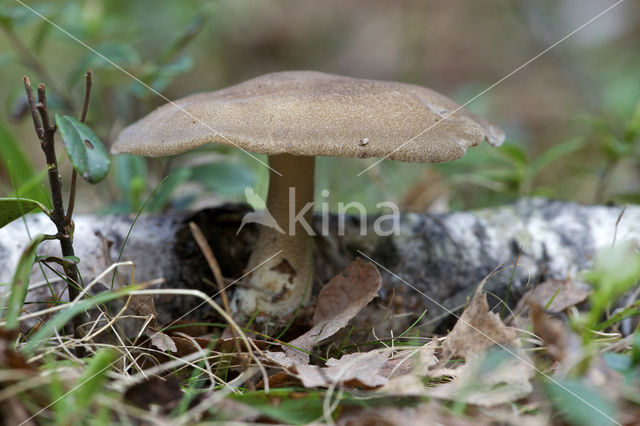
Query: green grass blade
<point x="20" y="282"/>
<point x="92" y="380"/>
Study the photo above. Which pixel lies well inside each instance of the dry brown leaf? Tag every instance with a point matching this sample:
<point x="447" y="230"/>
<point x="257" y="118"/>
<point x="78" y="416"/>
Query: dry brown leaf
<point x="411" y="361"/>
<point x="9" y="358"/>
<point x="482" y="379"/>
<point x="486" y="383"/>
<point x="562" y="294"/>
<point x="405" y="370"/>
<point x="164" y="392"/>
<point x="143" y="305"/>
<point x="360" y="370"/>
<point x="405" y="385"/>
<point x="477" y="330"/>
<point x="188" y="346"/>
<point x="281" y="379"/>
<point x="349" y="291"/>
<point x="162" y="341"/>
<point x="338" y="302"/>
<point x="551" y="330"/>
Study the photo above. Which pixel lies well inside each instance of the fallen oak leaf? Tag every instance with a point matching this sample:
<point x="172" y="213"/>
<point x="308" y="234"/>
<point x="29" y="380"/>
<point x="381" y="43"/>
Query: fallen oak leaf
<point x="350" y="291"/>
<point x="341" y="299"/>
<point x="497" y="378"/>
<point x="367" y="370"/>
<point x="559" y="295"/>
<point x="477" y="330"/>
<point x="485" y="378"/>
<point x="411" y="361"/>
<point x="282" y="359"/>
<point x="360" y="370"/>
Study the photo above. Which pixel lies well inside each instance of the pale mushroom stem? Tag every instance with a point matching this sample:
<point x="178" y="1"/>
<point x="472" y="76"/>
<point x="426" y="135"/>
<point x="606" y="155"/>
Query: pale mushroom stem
<point x="275" y="289"/>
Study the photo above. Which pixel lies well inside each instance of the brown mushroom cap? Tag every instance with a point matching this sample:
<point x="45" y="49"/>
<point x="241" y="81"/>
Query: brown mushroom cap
<point x="313" y="113"/>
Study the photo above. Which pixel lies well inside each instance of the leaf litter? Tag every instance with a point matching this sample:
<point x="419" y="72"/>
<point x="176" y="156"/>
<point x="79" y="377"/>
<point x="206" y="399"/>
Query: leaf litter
<point x="485" y="378"/>
<point x="480" y="363"/>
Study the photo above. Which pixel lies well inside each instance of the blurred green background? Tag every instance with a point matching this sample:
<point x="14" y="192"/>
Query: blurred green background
<point x="572" y="117"/>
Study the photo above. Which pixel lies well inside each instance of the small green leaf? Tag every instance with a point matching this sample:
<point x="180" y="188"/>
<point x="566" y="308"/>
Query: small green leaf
<point x="633" y="126"/>
<point x="13" y="208"/>
<point x="615" y="270"/>
<point x="87" y="154"/>
<point x="635" y="348"/>
<point x="20" y="282"/>
<point x="513" y="153"/>
<point x="288" y="410"/>
<point x="581" y="404"/>
<point x="73" y="259"/>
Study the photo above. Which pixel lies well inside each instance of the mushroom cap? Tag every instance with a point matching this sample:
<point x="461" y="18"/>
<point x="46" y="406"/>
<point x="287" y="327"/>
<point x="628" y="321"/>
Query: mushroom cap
<point x="313" y="113"/>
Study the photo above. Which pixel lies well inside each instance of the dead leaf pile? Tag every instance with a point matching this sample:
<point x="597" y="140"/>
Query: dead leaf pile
<point x="485" y="378"/>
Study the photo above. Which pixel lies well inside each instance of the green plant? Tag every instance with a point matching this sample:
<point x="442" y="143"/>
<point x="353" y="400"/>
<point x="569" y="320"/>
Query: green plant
<point x="510" y="170"/>
<point x="618" y="141"/>
<point x="25" y="181"/>
<point x="615" y="271"/>
<point x="90" y="160"/>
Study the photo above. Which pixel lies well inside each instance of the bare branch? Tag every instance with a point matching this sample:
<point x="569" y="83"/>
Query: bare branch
<point x="37" y="123"/>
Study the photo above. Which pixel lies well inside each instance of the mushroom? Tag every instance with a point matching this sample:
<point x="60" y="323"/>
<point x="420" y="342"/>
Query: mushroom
<point x="292" y="117"/>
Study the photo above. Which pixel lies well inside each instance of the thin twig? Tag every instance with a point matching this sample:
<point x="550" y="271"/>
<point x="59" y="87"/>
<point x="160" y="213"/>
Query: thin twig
<point x="45" y="130"/>
<point x="217" y="274"/>
<point x="615" y="230"/>
<point x="74" y="174"/>
<point x="87" y="95"/>
<point x="32" y="107"/>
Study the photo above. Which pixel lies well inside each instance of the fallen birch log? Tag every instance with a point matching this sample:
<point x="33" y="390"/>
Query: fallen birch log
<point x="435" y="259"/>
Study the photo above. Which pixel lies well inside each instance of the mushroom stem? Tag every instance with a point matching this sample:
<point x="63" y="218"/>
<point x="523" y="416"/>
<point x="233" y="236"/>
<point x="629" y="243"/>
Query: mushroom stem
<point x="276" y="288"/>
